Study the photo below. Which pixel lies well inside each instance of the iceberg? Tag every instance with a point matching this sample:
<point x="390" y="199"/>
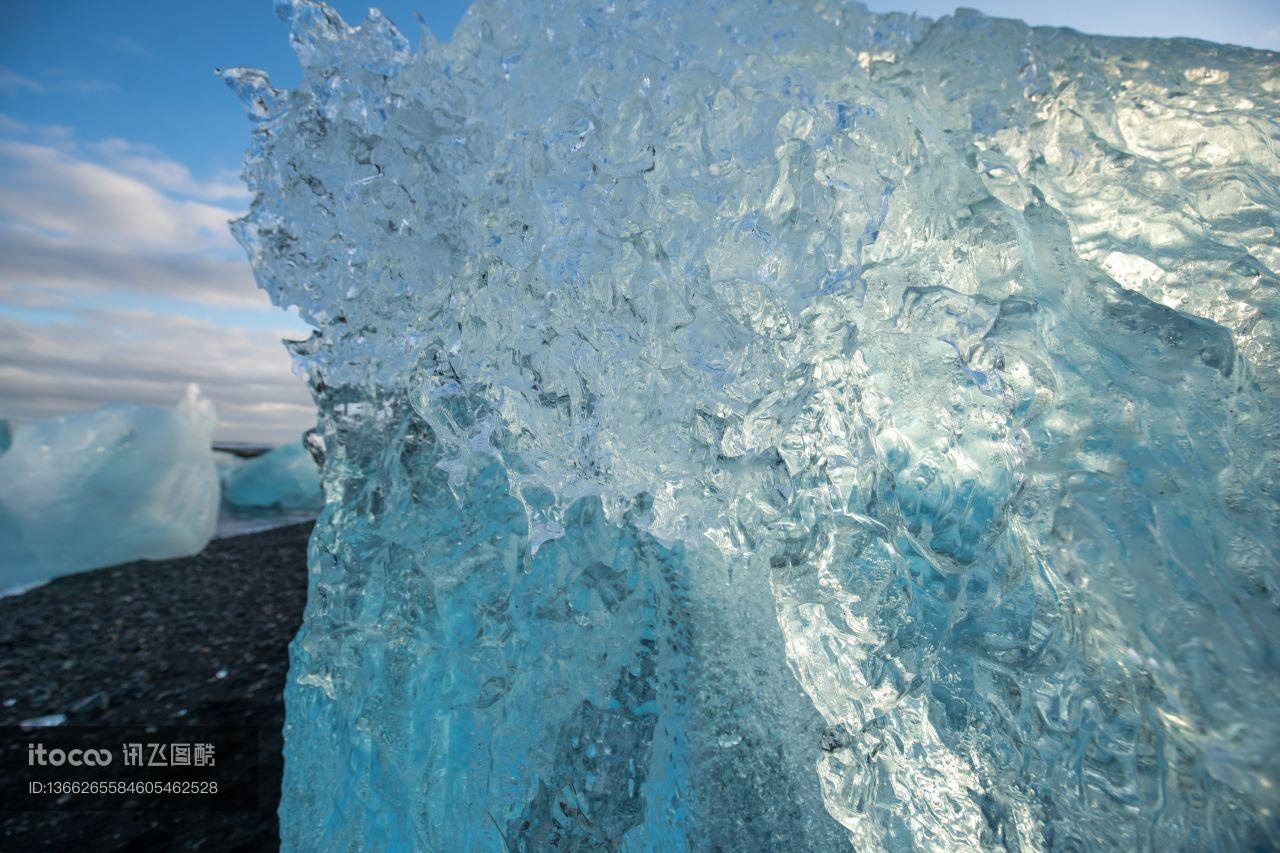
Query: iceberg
<point x="284" y="478"/>
<point x="773" y="425"/>
<point x="226" y="464"/>
<point x="125" y="482"/>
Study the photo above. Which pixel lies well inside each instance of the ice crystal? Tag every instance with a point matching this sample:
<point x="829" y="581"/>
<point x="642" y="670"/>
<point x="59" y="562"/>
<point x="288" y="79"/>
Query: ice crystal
<point x="770" y="425"/>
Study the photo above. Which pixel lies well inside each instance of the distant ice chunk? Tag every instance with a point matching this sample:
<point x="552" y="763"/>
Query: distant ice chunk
<point x="226" y="464"/>
<point x="284" y="478"/>
<point x="45" y="722"/>
<point x="124" y="482"/>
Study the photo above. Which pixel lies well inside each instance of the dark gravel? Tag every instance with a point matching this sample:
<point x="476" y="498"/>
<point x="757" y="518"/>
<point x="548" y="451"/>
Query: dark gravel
<point x="144" y="643"/>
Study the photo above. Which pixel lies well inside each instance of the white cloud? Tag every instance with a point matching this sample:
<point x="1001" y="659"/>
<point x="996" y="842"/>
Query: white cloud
<point x="126" y="45"/>
<point x="56" y="80"/>
<point x="146" y="357"/>
<point x="86" y="228"/>
<point x="114" y="216"/>
<point x="46" y="189"/>
<point x="50" y="134"/>
<point x="61" y="267"/>
<point x="149" y="165"/>
<point x="12" y="82"/>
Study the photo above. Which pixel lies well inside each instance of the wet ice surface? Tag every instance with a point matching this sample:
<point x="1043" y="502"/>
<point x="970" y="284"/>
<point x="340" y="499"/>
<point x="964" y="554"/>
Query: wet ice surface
<point x="758" y="425"/>
<point x="46" y="721"/>
<point x="121" y="483"/>
<point x="19" y="589"/>
<point x="238" y="522"/>
<point x="282" y="479"/>
<point x="264" y="487"/>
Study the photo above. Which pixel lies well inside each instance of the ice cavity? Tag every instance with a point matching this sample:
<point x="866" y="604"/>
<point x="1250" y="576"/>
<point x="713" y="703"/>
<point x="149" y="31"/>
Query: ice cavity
<point x="284" y="478"/>
<point x="124" y="482"/>
<point x="713" y="393"/>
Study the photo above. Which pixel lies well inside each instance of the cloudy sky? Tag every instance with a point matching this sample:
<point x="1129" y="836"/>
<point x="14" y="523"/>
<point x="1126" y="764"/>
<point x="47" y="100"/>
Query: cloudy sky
<point x="119" y="162"/>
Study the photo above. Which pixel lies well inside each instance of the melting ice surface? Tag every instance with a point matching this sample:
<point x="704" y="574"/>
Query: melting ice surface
<point x="274" y="489"/>
<point x="775" y="426"/>
<point x="124" y="482"/>
<point x="283" y="478"/>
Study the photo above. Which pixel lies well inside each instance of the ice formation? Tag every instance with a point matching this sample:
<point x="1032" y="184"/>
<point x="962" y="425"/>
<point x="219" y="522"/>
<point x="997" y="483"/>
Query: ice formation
<point x="226" y="463"/>
<point x="770" y="425"/>
<point x="124" y="482"/>
<point x="282" y="478"/>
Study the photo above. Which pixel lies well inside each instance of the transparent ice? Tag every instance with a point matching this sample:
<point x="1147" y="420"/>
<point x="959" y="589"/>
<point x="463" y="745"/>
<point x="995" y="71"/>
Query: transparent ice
<point x="284" y="477"/>
<point x="124" y="482"/>
<point x="770" y="425"/>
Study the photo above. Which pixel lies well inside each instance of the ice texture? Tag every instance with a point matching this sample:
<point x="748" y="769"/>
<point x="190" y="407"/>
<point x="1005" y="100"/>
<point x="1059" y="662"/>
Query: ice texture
<point x="124" y="482"/>
<point x="284" y="477"/>
<point x="770" y="425"/>
<point x="226" y="464"/>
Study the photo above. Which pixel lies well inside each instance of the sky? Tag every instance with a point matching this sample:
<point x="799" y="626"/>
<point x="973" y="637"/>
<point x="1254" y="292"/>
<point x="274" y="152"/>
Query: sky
<point x="119" y="165"/>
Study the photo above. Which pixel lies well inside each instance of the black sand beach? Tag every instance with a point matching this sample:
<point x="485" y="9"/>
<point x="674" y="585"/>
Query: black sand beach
<point x="196" y="641"/>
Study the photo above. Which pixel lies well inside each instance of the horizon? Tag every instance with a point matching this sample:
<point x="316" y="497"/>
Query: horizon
<point x="119" y="169"/>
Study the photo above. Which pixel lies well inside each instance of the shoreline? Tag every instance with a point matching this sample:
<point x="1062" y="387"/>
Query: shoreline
<point x="199" y="640"/>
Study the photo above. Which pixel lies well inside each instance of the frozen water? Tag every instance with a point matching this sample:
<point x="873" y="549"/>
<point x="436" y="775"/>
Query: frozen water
<point x="776" y="426"/>
<point x="124" y="482"/>
<point x="225" y="464"/>
<point x="274" y="489"/>
<point x="283" y="478"/>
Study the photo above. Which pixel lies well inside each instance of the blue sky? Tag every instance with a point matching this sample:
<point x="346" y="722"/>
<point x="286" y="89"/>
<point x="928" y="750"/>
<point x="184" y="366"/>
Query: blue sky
<point x="119" y="161"/>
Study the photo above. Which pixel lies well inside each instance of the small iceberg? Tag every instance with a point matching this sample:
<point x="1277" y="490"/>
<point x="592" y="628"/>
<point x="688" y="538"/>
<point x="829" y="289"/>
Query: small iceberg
<point x="124" y="482"/>
<point x="284" y="478"/>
